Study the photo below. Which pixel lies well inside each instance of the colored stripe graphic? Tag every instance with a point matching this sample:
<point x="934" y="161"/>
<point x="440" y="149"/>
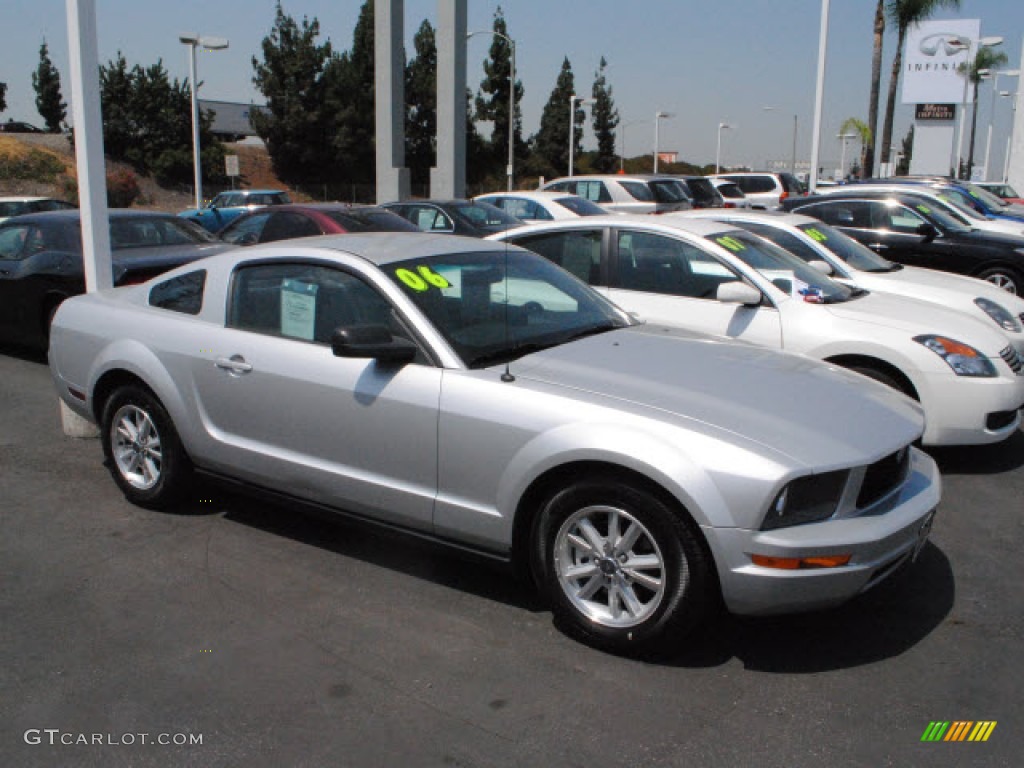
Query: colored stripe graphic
<point x="958" y="730"/>
<point x="982" y="730"/>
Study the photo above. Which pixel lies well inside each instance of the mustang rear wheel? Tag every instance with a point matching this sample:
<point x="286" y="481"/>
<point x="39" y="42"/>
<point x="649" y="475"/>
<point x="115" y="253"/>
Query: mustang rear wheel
<point x="623" y="571"/>
<point x="142" y="448"/>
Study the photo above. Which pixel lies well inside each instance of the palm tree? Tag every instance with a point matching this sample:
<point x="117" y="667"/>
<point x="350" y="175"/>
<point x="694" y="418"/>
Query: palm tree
<point x="984" y="59"/>
<point x="860" y="129"/>
<point x="904" y="13"/>
<point x="867" y="158"/>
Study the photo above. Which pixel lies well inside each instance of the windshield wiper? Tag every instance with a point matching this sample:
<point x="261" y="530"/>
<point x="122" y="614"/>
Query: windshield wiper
<point x="507" y="354"/>
<point x="591" y="331"/>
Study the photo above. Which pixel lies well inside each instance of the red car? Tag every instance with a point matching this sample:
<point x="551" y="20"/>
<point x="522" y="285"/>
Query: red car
<point x="1005" y="191"/>
<point x="282" y="222"/>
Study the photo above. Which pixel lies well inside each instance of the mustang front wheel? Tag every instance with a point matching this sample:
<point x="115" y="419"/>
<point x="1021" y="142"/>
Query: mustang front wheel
<point x="623" y="570"/>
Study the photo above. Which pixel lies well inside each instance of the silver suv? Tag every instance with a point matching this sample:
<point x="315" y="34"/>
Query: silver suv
<point x="627" y="194"/>
<point x="764" y="189"/>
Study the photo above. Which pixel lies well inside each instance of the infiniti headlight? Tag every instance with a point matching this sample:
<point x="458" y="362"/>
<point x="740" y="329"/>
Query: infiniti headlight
<point x="806" y="500"/>
<point x="1000" y="315"/>
<point x="963" y="359"/>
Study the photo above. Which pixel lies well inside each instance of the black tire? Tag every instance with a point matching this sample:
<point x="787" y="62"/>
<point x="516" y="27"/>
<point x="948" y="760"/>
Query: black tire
<point x="658" y="616"/>
<point x="154" y="450"/>
<point x="882" y="377"/>
<point x="1007" y="278"/>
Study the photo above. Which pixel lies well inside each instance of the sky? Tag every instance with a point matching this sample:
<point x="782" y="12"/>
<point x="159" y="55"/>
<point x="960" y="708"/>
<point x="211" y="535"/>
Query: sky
<point x="705" y="62"/>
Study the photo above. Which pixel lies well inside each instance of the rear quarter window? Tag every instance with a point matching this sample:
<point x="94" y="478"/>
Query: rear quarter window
<point x="180" y="294"/>
<point x="754" y="184"/>
<point x="638" y="191"/>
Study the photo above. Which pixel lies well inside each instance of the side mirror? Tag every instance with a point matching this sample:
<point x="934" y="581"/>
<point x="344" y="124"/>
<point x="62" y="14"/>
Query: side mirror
<point x="822" y="266"/>
<point x="371" y="341"/>
<point x="738" y="292"/>
<point x="928" y="231"/>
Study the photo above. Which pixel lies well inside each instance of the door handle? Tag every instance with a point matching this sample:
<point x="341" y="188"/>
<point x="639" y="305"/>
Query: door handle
<point x="878" y="246"/>
<point x="233" y="364"/>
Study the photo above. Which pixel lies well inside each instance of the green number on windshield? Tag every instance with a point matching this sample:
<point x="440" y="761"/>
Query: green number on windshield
<point x="816" y="234"/>
<point x="731" y="243"/>
<point x="422" y="281"/>
<point x="924" y="209"/>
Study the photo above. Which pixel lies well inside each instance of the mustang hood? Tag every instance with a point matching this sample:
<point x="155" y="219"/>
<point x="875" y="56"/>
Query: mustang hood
<point x="812" y="412"/>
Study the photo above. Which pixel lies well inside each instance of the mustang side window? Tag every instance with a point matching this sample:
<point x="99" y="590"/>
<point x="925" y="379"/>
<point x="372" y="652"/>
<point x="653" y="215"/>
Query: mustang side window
<point x="306" y="302"/>
<point x="180" y="294"/>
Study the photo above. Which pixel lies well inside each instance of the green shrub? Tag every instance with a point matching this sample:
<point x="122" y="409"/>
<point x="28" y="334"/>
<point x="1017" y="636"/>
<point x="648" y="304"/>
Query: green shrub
<point x="32" y="165"/>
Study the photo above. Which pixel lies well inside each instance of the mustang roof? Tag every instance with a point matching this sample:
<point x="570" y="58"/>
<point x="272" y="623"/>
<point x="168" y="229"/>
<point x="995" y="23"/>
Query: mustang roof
<point x="383" y="247"/>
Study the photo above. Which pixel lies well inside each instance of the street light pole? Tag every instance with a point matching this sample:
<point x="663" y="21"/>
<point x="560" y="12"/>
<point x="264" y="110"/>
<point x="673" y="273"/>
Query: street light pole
<point x="792" y="162"/>
<point x="573" y="100"/>
<point x="1009" y="139"/>
<point x="658" y="117"/>
<point x="210" y="44"/>
<point x="992" y="114"/>
<point x="718" y="151"/>
<point x="510" y="168"/>
<point x="622" y="154"/>
<point x="842" y="162"/>
<point x="968" y="44"/>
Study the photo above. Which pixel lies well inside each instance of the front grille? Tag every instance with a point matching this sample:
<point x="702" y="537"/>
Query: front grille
<point x="1013" y="359"/>
<point x="882" y="477"/>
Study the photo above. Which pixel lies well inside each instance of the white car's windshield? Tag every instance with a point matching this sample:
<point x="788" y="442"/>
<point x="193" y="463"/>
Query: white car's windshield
<point x="858" y="256"/>
<point x="494" y="307"/>
<point x="786" y="272"/>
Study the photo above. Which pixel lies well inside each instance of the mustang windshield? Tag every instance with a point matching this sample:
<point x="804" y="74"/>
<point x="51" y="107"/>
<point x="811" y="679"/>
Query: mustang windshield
<point x="494" y="307"/>
<point x="858" y="256"/>
<point x="787" y="272"/>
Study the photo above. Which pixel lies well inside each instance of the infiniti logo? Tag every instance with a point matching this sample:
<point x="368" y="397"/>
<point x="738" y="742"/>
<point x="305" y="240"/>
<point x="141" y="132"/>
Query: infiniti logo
<point x="949" y="43"/>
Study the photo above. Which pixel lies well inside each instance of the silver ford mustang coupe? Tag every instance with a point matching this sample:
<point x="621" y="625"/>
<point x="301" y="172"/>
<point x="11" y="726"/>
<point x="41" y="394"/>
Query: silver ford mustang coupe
<point x="476" y="394"/>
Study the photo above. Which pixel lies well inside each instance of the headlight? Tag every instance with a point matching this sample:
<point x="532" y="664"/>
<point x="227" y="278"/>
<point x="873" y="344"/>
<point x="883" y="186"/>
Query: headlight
<point x="1001" y="316"/>
<point x="806" y="500"/>
<point x="963" y="359"/>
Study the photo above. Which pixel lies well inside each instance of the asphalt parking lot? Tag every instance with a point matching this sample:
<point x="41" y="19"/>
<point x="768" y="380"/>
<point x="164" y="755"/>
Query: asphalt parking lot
<point x="281" y="639"/>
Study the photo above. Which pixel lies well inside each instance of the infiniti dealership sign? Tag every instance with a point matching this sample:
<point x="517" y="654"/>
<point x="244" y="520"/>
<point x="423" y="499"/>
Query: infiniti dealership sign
<point x="931" y="59"/>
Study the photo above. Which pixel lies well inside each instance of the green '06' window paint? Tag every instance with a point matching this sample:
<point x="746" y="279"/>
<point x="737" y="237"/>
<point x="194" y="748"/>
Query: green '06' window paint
<point x="422" y="281"/>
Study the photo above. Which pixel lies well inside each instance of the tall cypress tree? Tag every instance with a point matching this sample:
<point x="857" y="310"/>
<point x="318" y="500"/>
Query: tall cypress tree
<point x="3" y="96"/>
<point x="421" y="105"/>
<point x="291" y="79"/>
<point x="46" y="82"/>
<point x="349" y="104"/>
<point x="605" y="120"/>
<point x="492" y="103"/>
<point x="551" y="144"/>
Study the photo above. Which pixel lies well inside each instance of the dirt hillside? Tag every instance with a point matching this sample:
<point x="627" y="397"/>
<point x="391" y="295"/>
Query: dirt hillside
<point x="254" y="165"/>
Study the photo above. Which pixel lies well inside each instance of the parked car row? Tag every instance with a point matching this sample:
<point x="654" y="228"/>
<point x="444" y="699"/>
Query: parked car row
<point x="476" y="394"/>
<point x="647" y="415"/>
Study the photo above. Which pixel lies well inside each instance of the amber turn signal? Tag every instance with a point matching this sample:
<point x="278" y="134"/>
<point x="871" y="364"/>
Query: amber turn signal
<point x="796" y="563"/>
